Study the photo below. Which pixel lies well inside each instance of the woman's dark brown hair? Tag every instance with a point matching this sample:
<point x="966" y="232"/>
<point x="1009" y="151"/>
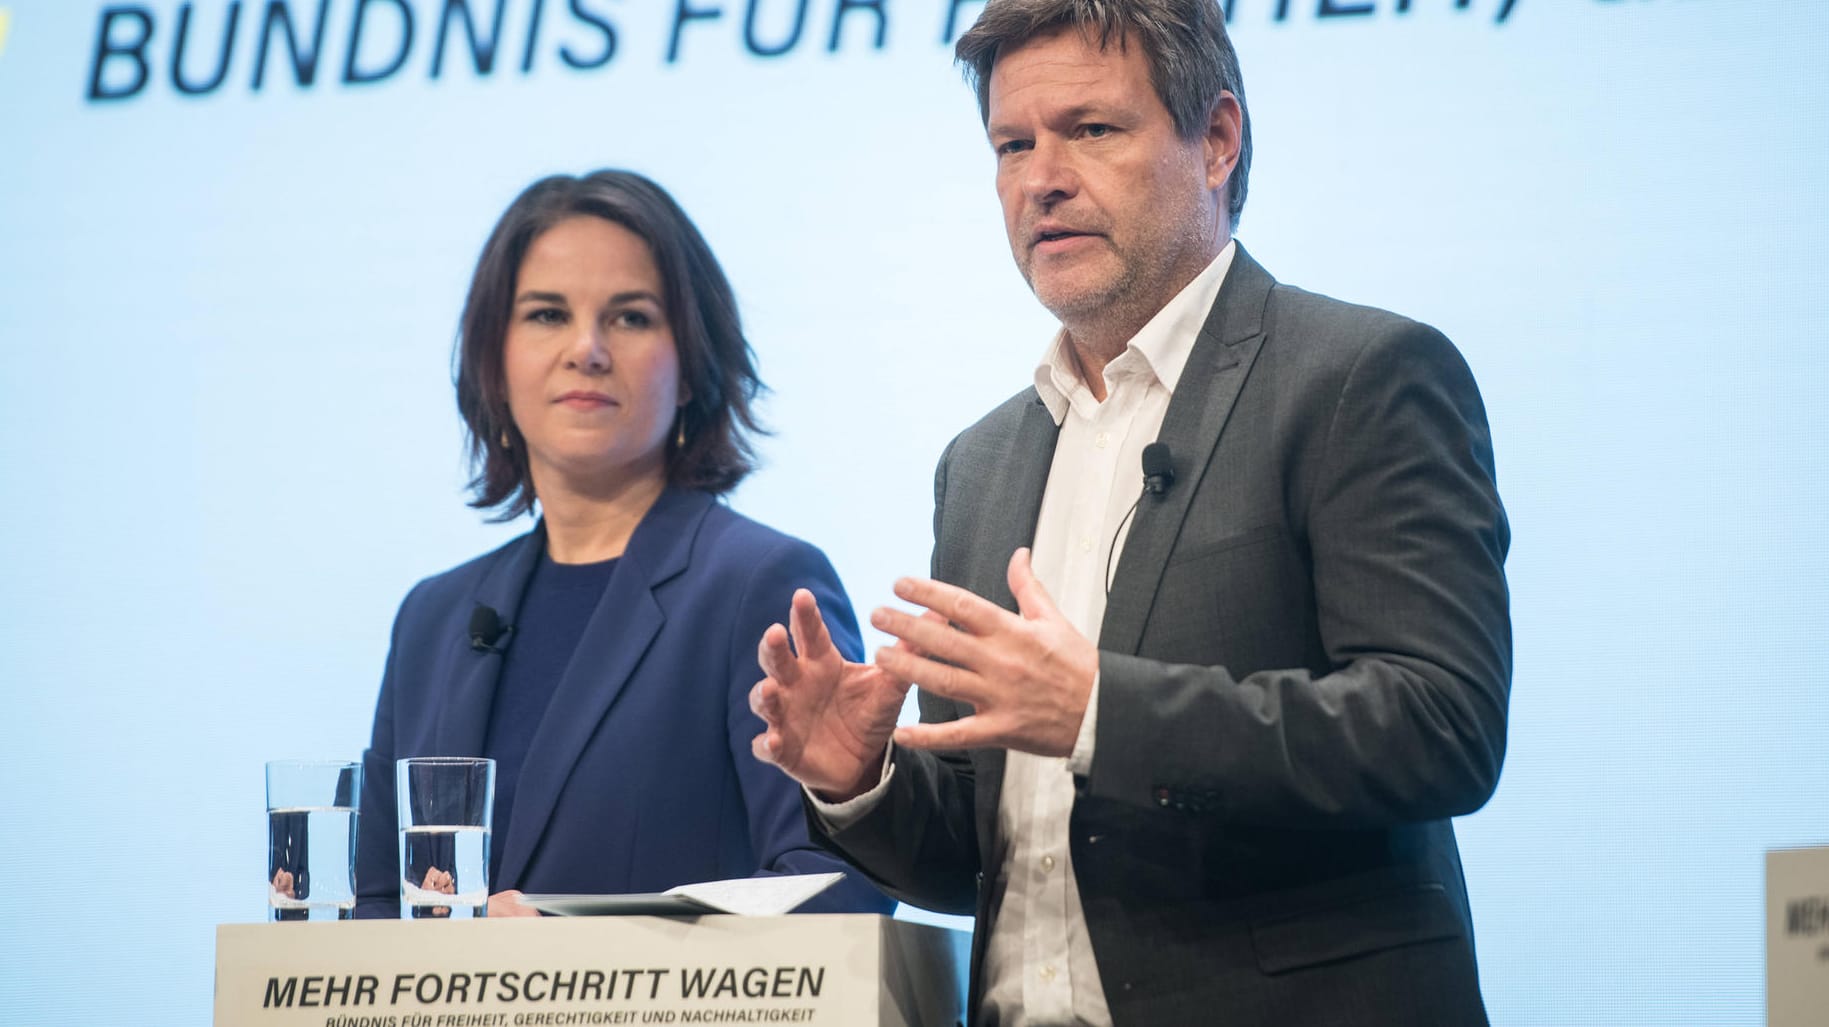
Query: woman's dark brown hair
<point x="717" y="366"/>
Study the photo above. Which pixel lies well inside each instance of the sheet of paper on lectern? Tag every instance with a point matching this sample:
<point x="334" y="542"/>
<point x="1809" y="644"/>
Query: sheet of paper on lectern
<point x="743" y="896"/>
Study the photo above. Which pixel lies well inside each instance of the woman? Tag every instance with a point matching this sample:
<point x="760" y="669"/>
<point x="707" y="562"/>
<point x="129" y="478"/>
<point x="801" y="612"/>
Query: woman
<point x="604" y="658"/>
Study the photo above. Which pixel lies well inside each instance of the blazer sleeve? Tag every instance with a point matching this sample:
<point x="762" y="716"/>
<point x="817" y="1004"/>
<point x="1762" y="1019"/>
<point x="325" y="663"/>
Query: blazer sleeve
<point x="1408" y="542"/>
<point x="919" y="844"/>
<point x="778" y="830"/>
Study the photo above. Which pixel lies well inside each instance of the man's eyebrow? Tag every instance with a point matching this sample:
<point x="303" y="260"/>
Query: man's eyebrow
<point x="1081" y="112"/>
<point x="1068" y="115"/>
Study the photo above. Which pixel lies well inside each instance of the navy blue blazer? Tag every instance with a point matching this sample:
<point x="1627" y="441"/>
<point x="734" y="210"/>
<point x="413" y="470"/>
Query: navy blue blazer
<point x="640" y="775"/>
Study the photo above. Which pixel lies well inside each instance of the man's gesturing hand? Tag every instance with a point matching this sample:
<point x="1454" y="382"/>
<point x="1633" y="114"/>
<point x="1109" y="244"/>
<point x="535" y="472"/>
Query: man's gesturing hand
<point x="829" y="721"/>
<point x="1027" y="676"/>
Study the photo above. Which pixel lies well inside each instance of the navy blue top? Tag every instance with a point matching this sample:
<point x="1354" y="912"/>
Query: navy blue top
<point x="559" y="601"/>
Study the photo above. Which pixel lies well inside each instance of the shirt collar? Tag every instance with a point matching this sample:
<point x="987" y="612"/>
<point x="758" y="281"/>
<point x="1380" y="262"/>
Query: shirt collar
<point x="1160" y="348"/>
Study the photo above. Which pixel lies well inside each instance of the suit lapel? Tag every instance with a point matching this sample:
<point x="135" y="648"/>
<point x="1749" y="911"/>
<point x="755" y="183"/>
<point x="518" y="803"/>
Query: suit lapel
<point x="1014" y="494"/>
<point x="1197" y="413"/>
<point x="618" y="635"/>
<point x="463" y="720"/>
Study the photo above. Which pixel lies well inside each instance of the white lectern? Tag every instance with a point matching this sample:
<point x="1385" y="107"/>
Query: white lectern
<point x="1797" y="937"/>
<point x="835" y="970"/>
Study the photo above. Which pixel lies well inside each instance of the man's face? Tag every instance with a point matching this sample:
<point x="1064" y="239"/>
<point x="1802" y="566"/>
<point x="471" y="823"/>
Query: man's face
<point x="1109" y="211"/>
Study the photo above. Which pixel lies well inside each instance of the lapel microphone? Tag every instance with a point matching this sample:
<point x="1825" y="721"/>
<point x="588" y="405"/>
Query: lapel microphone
<point x="487" y="629"/>
<point x="1158" y="469"/>
<point x="1158" y="475"/>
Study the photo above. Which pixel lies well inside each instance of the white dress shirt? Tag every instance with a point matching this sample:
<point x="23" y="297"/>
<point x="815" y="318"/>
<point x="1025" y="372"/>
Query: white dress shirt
<point x="1039" y="967"/>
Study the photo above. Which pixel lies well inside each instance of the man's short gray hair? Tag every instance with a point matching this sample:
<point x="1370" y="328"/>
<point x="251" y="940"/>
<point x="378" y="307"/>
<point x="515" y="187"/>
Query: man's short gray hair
<point x="1190" y="57"/>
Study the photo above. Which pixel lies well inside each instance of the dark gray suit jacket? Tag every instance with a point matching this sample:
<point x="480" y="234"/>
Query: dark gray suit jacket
<point x="1304" y="670"/>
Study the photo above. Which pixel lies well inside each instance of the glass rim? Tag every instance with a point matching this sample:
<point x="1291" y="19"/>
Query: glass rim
<point x="303" y="784"/>
<point x="443" y="761"/>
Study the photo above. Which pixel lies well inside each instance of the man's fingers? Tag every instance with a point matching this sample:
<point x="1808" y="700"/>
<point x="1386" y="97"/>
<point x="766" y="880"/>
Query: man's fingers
<point x="965" y="733"/>
<point x="765" y="702"/>
<point x="1031" y="598"/>
<point x="811" y="640"/>
<point x="762" y="748"/>
<point x="776" y="657"/>
<point x="930" y="616"/>
<point x="939" y="678"/>
<point x="927" y="615"/>
<point x="927" y="635"/>
<point x="901" y="683"/>
<point x="973" y="613"/>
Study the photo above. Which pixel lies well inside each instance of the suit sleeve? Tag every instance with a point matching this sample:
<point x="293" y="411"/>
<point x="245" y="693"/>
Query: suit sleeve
<point x="1406" y="721"/>
<point x="778" y="829"/>
<point x="920" y="844"/>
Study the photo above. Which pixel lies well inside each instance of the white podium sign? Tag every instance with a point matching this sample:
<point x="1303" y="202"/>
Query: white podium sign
<point x="1797" y="937"/>
<point x="833" y="970"/>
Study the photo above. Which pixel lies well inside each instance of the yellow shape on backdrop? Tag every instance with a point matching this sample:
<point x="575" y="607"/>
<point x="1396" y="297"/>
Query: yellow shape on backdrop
<point x="5" y="16"/>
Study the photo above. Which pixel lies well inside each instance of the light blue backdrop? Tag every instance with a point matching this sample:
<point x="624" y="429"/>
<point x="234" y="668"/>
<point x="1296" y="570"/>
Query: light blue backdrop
<point x="229" y="446"/>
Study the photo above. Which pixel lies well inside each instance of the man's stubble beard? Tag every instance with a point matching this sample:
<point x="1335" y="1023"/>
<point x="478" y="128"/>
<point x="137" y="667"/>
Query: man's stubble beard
<point x="1105" y="316"/>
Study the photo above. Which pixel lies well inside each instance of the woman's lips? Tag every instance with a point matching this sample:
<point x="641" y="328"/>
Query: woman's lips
<point x="585" y="400"/>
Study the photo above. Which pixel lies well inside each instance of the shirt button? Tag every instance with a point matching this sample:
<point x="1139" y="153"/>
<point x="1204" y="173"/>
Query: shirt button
<point x="1047" y="973"/>
<point x="1102" y="439"/>
<point x="1047" y="864"/>
<point x="1085" y="545"/>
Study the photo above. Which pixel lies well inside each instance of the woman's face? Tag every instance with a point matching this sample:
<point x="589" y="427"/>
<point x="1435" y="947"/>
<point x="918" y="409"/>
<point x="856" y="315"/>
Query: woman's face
<point x="593" y="378"/>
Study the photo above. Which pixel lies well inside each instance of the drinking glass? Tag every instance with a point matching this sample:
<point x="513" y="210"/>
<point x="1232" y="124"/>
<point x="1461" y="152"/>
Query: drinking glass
<point x="445" y="806"/>
<point x="311" y="839"/>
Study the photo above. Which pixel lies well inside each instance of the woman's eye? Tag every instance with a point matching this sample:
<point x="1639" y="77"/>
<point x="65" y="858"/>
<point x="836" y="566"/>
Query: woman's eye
<point x="546" y="316"/>
<point x="633" y="319"/>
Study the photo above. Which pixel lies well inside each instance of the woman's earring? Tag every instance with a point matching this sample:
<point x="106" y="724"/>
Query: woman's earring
<point x="506" y="444"/>
<point x="679" y="437"/>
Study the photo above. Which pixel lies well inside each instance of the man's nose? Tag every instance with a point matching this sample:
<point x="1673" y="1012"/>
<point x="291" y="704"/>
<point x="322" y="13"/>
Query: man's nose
<point x="1049" y="175"/>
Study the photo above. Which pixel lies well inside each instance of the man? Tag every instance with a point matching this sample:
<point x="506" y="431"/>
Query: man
<point x="1213" y="786"/>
